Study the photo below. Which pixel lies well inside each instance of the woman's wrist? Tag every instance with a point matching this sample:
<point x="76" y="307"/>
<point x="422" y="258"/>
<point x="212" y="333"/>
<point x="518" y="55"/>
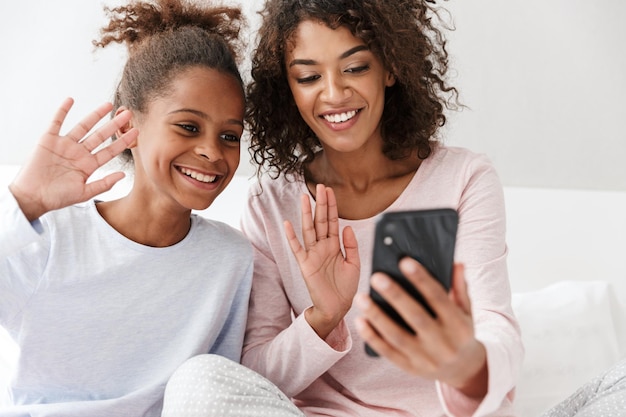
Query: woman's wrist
<point x="322" y="325"/>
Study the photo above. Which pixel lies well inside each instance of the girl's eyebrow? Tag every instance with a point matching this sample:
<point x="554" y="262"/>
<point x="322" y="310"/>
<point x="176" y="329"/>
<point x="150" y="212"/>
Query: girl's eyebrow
<point x="345" y="55"/>
<point x="205" y="116"/>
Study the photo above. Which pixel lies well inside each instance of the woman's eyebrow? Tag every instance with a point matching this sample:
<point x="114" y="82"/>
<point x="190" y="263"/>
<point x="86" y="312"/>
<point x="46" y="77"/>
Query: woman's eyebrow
<point x="344" y="55"/>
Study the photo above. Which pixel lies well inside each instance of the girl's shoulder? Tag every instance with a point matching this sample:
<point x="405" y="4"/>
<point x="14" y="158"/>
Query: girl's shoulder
<point x="216" y="232"/>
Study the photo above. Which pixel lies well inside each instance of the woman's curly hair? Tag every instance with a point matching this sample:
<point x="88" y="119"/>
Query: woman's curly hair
<point x="402" y="33"/>
<point x="166" y="37"/>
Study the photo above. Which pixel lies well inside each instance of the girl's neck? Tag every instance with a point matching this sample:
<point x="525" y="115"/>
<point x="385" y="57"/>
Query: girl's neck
<point x="145" y="222"/>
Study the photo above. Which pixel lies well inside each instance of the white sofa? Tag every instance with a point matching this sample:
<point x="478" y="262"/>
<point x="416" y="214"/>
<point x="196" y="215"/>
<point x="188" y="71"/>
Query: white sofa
<point x="567" y="277"/>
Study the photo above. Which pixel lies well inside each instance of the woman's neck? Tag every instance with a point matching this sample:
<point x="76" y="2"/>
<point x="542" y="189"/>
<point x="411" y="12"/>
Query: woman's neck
<point x="364" y="185"/>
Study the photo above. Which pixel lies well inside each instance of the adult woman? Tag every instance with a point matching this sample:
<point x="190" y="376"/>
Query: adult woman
<point x="345" y="105"/>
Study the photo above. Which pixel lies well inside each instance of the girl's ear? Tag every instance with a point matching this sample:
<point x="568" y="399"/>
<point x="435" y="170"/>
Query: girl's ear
<point x="126" y="127"/>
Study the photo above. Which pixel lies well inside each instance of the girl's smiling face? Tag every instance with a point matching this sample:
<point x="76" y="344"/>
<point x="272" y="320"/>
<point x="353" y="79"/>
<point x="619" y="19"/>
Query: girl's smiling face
<point x="338" y="85"/>
<point x="189" y="139"/>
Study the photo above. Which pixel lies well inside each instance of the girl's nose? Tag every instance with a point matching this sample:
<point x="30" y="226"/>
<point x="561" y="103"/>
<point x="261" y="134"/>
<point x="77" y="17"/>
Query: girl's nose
<point x="210" y="149"/>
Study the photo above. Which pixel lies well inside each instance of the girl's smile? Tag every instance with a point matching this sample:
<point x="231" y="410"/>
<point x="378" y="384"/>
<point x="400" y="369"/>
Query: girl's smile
<point x="189" y="142"/>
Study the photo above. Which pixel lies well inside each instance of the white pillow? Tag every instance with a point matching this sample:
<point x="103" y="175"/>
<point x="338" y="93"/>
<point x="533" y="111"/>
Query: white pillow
<point x="570" y="333"/>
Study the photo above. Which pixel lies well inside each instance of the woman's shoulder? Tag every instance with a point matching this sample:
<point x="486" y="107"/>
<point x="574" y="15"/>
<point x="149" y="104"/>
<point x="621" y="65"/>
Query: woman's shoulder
<point x="458" y="161"/>
<point x="458" y="155"/>
<point x="282" y="189"/>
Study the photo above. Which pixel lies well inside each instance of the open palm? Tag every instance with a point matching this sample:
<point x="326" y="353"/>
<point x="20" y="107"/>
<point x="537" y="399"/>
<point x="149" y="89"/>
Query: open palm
<point x="331" y="277"/>
<point x="57" y="172"/>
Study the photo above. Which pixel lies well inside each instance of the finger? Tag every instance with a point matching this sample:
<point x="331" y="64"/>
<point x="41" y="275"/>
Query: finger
<point x="371" y="338"/>
<point x="106" y="131"/>
<point x="332" y="213"/>
<point x="321" y="212"/>
<point x="351" y="247"/>
<point x="59" y="116"/>
<point x="413" y="313"/>
<point x="118" y="146"/>
<point x="102" y="185"/>
<point x="459" y="291"/>
<point x="296" y="248"/>
<point x="79" y="131"/>
<point x="433" y="292"/>
<point x="376" y="334"/>
<point x="308" y="230"/>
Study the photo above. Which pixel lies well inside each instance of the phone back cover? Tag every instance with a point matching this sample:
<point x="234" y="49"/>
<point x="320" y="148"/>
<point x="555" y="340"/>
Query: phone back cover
<point x="428" y="237"/>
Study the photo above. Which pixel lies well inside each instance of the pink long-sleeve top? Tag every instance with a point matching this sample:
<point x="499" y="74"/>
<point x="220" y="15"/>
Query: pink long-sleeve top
<point x="335" y="377"/>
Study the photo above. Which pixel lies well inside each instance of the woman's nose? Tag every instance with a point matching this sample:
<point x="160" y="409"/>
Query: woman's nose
<point x="335" y="89"/>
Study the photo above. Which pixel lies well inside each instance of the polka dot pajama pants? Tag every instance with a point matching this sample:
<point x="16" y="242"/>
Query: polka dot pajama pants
<point x="604" y="396"/>
<point x="211" y="385"/>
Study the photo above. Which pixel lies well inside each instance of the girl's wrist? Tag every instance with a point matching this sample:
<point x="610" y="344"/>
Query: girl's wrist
<point x="29" y="206"/>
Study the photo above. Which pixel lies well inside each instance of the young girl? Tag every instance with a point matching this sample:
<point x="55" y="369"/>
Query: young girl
<point x="345" y="105"/>
<point x="107" y="298"/>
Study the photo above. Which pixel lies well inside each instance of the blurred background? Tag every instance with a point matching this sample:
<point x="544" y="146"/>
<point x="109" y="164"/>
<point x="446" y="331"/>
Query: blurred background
<point x="544" y="82"/>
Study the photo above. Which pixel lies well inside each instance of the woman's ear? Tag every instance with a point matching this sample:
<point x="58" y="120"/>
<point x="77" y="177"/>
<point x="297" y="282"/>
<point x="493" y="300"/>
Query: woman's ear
<point x="126" y="127"/>
<point x="390" y="80"/>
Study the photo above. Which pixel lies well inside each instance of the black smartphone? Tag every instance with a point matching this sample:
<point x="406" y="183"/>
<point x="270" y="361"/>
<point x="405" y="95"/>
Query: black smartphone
<point x="428" y="236"/>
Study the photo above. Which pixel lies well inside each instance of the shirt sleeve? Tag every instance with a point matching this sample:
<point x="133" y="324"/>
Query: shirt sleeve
<point x="23" y="254"/>
<point x="16" y="231"/>
<point x="481" y="246"/>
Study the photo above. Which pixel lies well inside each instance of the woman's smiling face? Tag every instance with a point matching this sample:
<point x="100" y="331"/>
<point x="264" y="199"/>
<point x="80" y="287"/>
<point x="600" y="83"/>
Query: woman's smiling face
<point x="338" y="85"/>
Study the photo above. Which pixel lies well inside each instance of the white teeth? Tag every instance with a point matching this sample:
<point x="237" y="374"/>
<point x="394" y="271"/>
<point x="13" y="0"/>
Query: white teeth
<point x="340" y="117"/>
<point x="198" y="176"/>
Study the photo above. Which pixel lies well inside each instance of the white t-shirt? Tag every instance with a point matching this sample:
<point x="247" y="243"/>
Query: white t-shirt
<point x="102" y="322"/>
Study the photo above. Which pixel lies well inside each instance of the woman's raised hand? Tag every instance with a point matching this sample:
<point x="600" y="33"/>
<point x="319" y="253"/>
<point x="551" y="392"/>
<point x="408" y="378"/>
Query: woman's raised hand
<point x="331" y="277"/>
<point x="57" y="172"/>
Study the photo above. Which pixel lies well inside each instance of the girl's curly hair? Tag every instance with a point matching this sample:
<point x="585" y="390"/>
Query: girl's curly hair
<point x="403" y="34"/>
<point x="166" y="37"/>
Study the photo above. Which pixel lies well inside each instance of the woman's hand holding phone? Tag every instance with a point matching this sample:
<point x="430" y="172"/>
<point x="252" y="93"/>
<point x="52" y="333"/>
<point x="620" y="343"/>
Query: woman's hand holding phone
<point x="418" y="313"/>
<point x="442" y="348"/>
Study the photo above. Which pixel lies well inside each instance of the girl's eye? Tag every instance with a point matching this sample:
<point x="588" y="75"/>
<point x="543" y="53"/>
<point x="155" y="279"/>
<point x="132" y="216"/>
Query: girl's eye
<point x="230" y="138"/>
<point x="188" y="127"/>
<point x="356" y="70"/>
<point x="307" y="80"/>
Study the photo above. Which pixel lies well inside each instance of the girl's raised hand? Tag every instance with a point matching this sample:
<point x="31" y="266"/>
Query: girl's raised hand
<point x="443" y="348"/>
<point x="57" y="172"/>
<point x="331" y="277"/>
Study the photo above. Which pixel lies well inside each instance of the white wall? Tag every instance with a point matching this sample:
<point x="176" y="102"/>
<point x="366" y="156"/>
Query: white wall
<point x="544" y="81"/>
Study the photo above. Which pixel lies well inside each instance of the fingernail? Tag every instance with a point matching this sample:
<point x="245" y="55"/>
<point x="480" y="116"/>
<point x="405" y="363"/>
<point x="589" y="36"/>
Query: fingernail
<point x="408" y="264"/>
<point x="362" y="301"/>
<point x="359" y="323"/>
<point x="380" y="282"/>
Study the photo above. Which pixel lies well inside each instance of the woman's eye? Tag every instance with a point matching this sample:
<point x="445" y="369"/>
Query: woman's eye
<point x="306" y="80"/>
<point x="359" y="69"/>
<point x="188" y="127"/>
